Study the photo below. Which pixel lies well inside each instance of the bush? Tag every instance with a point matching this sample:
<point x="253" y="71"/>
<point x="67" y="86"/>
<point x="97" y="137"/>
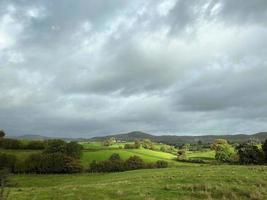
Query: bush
<point x="109" y="141"/>
<point x="147" y="144"/>
<point x="181" y="154"/>
<point x="113" y="164"/>
<point x="52" y="163"/>
<point x="217" y="143"/>
<point x="129" y="146"/>
<point x="161" y="164"/>
<point x="250" y="154"/>
<point x="168" y="149"/>
<point x="134" y="162"/>
<point x="224" y="153"/>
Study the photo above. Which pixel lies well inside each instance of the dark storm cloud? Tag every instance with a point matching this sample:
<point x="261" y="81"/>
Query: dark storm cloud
<point x="86" y="68"/>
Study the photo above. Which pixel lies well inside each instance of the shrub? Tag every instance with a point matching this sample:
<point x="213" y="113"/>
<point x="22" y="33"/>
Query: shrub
<point x="217" y="143"/>
<point x="134" y="162"/>
<point x="168" y="149"/>
<point x="147" y="144"/>
<point x="113" y="164"/>
<point x="129" y="146"/>
<point x="161" y="164"/>
<point x="250" y="154"/>
<point x="181" y="154"/>
<point x="224" y="152"/>
<point x="109" y="141"/>
<point x="52" y="163"/>
<point x="137" y="144"/>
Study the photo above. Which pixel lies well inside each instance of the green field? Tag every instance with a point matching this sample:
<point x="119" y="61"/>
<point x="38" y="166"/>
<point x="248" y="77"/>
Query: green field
<point x="185" y="182"/>
<point x="181" y="181"/>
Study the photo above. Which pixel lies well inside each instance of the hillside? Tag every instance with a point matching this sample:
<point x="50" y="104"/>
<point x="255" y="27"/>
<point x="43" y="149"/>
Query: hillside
<point x="173" y="139"/>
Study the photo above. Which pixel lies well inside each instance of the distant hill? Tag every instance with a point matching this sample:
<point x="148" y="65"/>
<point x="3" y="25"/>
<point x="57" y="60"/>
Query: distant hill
<point x="40" y="137"/>
<point x="31" y="137"/>
<point x="174" y="139"/>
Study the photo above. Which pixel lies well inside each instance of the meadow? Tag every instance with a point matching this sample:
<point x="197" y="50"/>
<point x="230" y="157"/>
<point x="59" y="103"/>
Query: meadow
<point x="181" y="180"/>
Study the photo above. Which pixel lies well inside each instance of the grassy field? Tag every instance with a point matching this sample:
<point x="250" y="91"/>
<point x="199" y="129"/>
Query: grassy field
<point x="185" y="182"/>
<point x="95" y="151"/>
<point x="145" y="154"/>
<point x="181" y="181"/>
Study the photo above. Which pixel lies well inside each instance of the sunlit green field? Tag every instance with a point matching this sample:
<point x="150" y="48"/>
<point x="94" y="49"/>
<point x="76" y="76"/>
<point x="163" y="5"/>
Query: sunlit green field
<point x="184" y="182"/>
<point x="145" y="154"/>
<point x="180" y="181"/>
<point x="96" y="151"/>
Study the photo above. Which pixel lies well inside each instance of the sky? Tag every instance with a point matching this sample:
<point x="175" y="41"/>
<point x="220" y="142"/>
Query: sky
<point x="89" y="68"/>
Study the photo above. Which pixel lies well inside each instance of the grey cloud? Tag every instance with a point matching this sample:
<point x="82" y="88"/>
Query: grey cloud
<point x="87" y="68"/>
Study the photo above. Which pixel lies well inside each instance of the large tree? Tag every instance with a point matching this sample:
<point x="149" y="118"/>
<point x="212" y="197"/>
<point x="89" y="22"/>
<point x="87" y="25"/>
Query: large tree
<point x="264" y="148"/>
<point x="2" y="133"/>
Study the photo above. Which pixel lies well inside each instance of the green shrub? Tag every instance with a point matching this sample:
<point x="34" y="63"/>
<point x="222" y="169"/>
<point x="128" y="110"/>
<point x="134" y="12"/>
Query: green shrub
<point x="224" y="153"/>
<point x="161" y="164"/>
<point x="134" y="162"/>
<point x="129" y="146"/>
<point x="181" y="154"/>
<point x="52" y="163"/>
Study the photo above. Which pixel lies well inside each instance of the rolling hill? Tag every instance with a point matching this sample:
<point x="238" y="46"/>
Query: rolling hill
<point x="174" y="139"/>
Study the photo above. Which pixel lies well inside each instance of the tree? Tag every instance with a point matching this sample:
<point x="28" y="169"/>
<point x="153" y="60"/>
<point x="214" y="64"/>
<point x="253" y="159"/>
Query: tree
<point x="218" y="142"/>
<point x="250" y="154"/>
<point x="137" y="144"/>
<point x="73" y="149"/>
<point x="264" y="149"/>
<point x="114" y="157"/>
<point x="181" y="154"/>
<point x="134" y="162"/>
<point x="3" y="180"/>
<point x="109" y="141"/>
<point x="56" y="146"/>
<point x="224" y="153"/>
<point x="2" y="134"/>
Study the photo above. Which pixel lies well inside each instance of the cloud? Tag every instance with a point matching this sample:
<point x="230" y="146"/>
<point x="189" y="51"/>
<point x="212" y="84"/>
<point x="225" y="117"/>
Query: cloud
<point x="88" y="68"/>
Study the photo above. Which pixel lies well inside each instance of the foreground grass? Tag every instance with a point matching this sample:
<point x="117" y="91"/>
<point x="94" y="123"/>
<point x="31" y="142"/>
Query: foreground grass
<point x="188" y="182"/>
